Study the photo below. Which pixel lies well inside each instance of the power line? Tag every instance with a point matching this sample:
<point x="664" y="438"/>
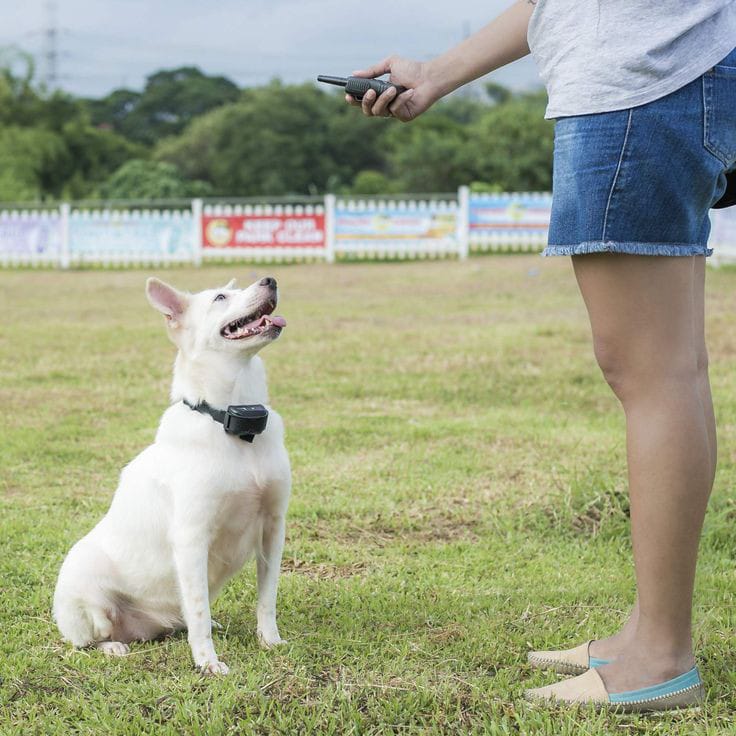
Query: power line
<point x="51" y="47"/>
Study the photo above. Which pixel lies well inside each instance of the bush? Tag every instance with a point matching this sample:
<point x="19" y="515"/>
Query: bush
<point x="138" y="179"/>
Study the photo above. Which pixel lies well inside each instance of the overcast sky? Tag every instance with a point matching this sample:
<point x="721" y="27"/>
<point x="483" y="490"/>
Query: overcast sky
<point x="105" y="44"/>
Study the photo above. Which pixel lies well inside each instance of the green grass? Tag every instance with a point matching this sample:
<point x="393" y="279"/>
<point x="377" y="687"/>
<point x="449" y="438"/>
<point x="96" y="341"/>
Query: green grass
<point x="459" y="496"/>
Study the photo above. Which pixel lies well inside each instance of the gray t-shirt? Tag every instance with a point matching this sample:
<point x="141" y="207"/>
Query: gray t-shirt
<point x="603" y="55"/>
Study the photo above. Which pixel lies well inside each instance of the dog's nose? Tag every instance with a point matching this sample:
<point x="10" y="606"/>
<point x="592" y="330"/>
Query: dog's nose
<point x="268" y="281"/>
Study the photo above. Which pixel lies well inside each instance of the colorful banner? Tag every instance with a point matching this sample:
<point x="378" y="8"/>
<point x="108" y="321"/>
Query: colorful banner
<point x="33" y="235"/>
<point x="505" y="213"/>
<point x="420" y="224"/>
<point x="153" y="234"/>
<point x="264" y="231"/>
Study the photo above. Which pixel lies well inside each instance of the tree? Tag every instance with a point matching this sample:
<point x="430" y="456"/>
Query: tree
<point x="137" y="179"/>
<point x="171" y="99"/>
<point x="18" y="100"/>
<point x="113" y="110"/>
<point x="425" y="156"/>
<point x="274" y="141"/>
<point x="354" y="142"/>
<point x="96" y="153"/>
<point x="188" y="133"/>
<point x="372" y="182"/>
<point x="29" y="160"/>
<point x="48" y="148"/>
<point x="511" y="145"/>
<point x="497" y="93"/>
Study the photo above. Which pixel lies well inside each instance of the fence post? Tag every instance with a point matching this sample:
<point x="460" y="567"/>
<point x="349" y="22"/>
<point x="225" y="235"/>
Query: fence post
<point x="65" y="258"/>
<point x="330" y="228"/>
<point x="463" y="222"/>
<point x="197" y="232"/>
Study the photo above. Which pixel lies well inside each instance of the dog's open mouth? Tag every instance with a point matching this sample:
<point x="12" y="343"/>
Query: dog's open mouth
<point x="256" y="323"/>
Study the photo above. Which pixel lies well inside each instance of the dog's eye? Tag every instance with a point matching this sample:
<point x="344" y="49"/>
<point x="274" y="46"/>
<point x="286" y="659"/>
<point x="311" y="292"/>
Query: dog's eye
<point x="220" y="297"/>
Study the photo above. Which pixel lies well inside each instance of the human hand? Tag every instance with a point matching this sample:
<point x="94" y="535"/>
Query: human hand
<point x="420" y="93"/>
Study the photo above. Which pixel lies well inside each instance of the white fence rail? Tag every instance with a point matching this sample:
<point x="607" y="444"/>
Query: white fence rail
<point x="723" y="236"/>
<point x="319" y="228"/>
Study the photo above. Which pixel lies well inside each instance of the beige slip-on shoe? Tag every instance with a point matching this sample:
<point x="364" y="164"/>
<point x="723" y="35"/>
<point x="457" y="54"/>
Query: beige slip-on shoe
<point x="567" y="661"/>
<point x="685" y="691"/>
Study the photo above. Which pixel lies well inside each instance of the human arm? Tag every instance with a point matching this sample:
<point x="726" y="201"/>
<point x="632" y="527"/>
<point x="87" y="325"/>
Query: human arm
<point x="500" y="42"/>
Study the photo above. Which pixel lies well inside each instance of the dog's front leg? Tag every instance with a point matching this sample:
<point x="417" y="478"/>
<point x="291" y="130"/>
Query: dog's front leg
<point x="190" y="557"/>
<point x="268" y="566"/>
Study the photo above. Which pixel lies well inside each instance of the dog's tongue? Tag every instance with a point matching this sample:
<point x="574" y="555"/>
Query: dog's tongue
<point x="271" y="319"/>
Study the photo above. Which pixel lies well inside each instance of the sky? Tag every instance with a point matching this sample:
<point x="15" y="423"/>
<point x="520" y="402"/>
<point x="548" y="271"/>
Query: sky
<point x="107" y="44"/>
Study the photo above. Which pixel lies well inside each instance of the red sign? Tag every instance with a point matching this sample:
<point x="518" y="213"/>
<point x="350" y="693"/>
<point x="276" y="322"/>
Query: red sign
<point x="263" y="231"/>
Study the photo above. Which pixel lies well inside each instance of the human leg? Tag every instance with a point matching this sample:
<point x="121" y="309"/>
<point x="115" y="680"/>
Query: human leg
<point x="644" y="316"/>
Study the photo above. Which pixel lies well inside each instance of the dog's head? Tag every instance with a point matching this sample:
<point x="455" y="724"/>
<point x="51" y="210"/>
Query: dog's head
<point x="227" y="319"/>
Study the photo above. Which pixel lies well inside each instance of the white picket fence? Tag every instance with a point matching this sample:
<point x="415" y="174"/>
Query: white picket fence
<point x="723" y="236"/>
<point x="325" y="228"/>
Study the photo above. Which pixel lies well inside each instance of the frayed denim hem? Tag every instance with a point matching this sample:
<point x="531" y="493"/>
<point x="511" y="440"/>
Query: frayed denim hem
<point x="636" y="249"/>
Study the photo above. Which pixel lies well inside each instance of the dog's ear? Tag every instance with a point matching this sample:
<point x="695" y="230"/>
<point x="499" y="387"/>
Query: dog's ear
<point x="171" y="302"/>
<point x="232" y="284"/>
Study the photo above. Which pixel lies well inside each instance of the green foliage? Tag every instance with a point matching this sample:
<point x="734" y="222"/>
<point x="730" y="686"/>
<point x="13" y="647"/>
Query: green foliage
<point x="138" y="179"/>
<point x="369" y="181"/>
<point x="295" y="139"/>
<point x="17" y="98"/>
<point x="425" y="155"/>
<point x="497" y="92"/>
<point x="354" y="142"/>
<point x="511" y="145"/>
<point x="266" y="141"/>
<point x="274" y="141"/>
<point x="113" y="111"/>
<point x="48" y="147"/>
<point x="170" y="101"/>
<point x="30" y="160"/>
<point x="483" y="187"/>
<point x="95" y="153"/>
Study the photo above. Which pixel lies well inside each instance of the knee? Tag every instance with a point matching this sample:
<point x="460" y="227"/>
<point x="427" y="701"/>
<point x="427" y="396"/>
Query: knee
<point x="631" y="371"/>
<point x="612" y="361"/>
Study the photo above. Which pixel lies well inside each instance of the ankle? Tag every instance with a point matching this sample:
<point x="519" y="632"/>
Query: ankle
<point x="663" y="657"/>
<point x="674" y="643"/>
<point x="611" y="646"/>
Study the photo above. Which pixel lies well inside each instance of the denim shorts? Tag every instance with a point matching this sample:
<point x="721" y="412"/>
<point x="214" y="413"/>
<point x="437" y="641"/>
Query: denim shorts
<point x="642" y="180"/>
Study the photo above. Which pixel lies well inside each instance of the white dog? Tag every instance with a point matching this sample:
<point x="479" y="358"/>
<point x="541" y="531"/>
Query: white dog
<point x="192" y="507"/>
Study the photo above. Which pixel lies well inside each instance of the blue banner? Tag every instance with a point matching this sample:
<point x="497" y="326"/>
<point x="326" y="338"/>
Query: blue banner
<point x="509" y="213"/>
<point x="133" y="234"/>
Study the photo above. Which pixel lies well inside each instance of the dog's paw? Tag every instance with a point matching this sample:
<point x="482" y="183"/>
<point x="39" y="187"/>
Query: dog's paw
<point x="216" y="626"/>
<point x="270" y="639"/>
<point x="214" y="668"/>
<point x="113" y="648"/>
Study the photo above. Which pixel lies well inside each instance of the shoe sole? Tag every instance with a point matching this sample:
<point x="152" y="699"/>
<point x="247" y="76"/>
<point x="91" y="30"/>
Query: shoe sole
<point x="555" y="665"/>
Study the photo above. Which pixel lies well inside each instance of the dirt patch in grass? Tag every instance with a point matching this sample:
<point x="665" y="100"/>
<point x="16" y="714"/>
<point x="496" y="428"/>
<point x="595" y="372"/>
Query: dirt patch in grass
<point x="322" y="570"/>
<point x="419" y="525"/>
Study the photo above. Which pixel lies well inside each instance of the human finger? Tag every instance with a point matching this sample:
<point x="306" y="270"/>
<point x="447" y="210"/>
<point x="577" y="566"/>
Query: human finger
<point x="383" y="102"/>
<point x="375" y="70"/>
<point x="400" y="106"/>
<point x="368" y="99"/>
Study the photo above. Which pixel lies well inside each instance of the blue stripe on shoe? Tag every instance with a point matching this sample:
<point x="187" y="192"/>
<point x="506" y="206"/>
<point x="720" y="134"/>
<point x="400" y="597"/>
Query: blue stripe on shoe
<point x="595" y="662"/>
<point x="682" y="682"/>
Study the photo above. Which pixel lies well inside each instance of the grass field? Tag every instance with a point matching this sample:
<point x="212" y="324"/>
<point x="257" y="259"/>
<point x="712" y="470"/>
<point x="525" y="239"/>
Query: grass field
<point x="459" y="496"/>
